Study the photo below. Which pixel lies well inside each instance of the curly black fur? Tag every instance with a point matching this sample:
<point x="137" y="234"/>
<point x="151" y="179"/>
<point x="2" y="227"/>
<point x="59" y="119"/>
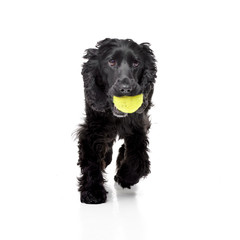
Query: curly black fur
<point x="114" y="67"/>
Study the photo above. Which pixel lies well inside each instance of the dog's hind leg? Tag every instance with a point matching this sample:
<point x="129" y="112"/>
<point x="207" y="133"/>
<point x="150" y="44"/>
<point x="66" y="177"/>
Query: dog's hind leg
<point x="108" y="156"/>
<point x="120" y="157"/>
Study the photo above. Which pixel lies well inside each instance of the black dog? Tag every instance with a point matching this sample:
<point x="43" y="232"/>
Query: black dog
<point x="114" y="68"/>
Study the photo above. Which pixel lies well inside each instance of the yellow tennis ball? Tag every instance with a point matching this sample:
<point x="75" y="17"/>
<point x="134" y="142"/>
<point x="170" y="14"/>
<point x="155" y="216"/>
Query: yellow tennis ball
<point x="128" y="104"/>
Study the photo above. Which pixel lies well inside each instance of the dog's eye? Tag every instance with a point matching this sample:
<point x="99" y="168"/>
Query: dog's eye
<point x="135" y="64"/>
<point x="112" y="62"/>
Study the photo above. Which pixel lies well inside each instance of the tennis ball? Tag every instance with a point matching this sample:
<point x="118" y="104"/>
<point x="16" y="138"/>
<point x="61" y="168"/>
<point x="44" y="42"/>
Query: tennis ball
<point x="128" y="104"/>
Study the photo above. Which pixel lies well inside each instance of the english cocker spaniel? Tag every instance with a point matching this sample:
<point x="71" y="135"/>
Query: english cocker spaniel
<point x="114" y="68"/>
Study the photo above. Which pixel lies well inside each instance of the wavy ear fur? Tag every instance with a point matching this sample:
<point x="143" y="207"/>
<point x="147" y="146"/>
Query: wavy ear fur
<point x="94" y="90"/>
<point x="149" y="74"/>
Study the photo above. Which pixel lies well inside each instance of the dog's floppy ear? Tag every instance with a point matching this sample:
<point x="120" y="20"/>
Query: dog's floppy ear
<point x="93" y="86"/>
<point x="150" y="69"/>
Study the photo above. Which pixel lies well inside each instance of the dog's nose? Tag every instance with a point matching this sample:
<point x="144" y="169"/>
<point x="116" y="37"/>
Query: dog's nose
<point x="124" y="85"/>
<point x="125" y="88"/>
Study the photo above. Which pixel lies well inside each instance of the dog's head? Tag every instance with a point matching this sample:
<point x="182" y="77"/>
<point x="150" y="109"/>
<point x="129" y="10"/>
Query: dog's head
<point x="118" y="68"/>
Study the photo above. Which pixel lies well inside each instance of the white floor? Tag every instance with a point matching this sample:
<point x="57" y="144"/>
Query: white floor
<point x="182" y="198"/>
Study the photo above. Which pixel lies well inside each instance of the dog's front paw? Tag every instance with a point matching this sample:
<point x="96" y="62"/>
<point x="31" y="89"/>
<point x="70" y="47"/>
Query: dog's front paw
<point x="126" y="177"/>
<point x="126" y="182"/>
<point x="94" y="195"/>
<point x="121" y="182"/>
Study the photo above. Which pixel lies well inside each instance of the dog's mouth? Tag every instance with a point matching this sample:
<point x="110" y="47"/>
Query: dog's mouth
<point x="118" y="113"/>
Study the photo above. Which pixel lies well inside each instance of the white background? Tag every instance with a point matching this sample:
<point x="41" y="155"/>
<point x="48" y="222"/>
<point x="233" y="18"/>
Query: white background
<point x="193" y="191"/>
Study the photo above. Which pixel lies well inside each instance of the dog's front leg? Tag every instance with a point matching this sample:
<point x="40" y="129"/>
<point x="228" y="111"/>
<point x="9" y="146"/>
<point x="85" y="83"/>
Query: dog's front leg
<point x="93" y="148"/>
<point x="134" y="162"/>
